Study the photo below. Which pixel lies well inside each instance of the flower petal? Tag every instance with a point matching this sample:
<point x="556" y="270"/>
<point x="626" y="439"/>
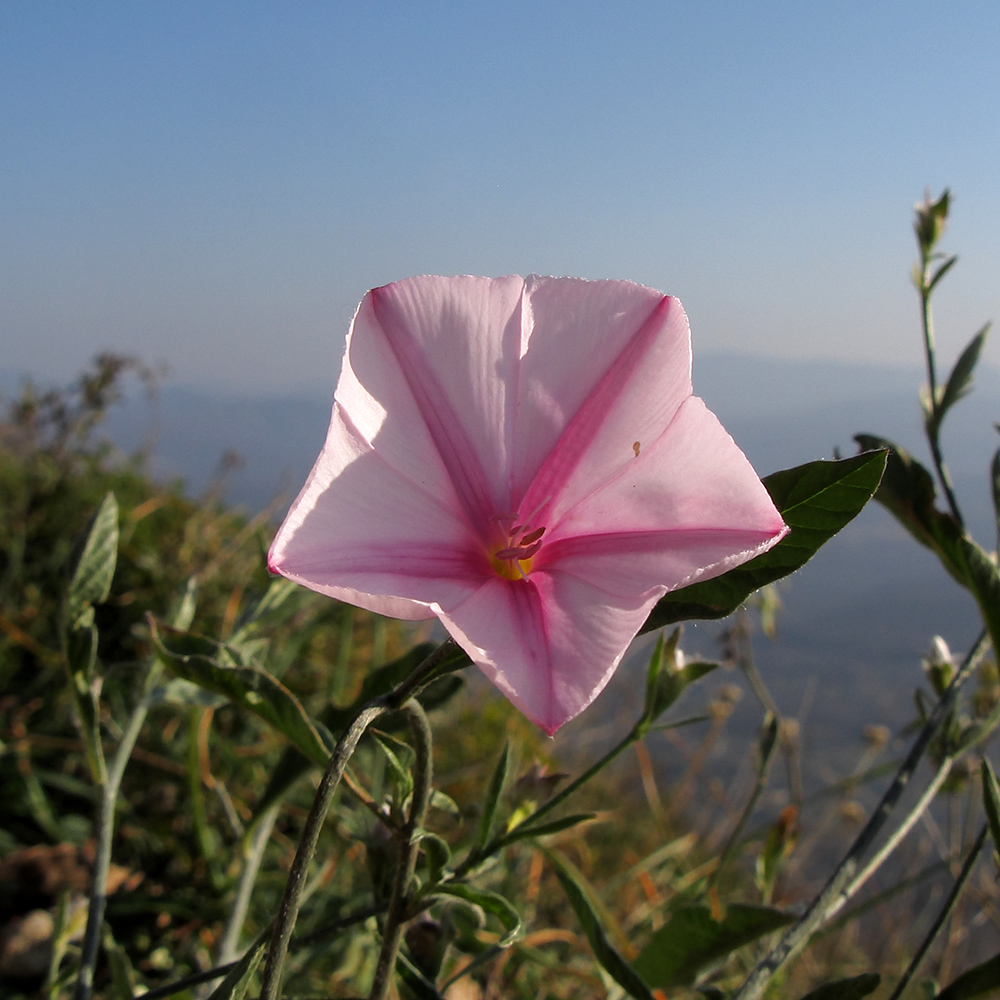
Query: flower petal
<point x="690" y="506"/>
<point x="549" y="643"/>
<point x="362" y="532"/>
<point x="449" y="346"/>
<point x="609" y="367"/>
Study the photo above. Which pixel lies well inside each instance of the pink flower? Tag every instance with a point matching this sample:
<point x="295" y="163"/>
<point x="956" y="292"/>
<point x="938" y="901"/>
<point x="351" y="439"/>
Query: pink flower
<point x="523" y="458"/>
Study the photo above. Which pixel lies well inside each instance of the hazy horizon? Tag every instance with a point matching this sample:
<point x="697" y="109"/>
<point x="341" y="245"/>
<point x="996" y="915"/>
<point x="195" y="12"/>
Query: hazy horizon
<point x="215" y="185"/>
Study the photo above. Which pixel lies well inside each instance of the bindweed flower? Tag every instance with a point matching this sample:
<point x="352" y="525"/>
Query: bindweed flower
<point x="523" y="458"/>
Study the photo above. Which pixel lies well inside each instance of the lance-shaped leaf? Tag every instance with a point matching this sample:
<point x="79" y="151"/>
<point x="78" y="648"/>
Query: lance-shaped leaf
<point x="816" y="501"/>
<point x="853" y="988"/>
<point x="991" y="800"/>
<point x="236" y="984"/>
<point x="292" y="764"/>
<point x="995" y="489"/>
<point x="907" y="491"/>
<point x="211" y="666"/>
<point x="610" y="958"/>
<point x="960" y="380"/>
<point x="489" y="902"/>
<point x="95" y="568"/>
<point x="492" y="801"/>
<point x="691" y="940"/>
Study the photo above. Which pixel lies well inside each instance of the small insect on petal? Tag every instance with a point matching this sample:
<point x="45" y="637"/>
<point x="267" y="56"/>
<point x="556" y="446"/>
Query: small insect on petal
<point x="635" y="448"/>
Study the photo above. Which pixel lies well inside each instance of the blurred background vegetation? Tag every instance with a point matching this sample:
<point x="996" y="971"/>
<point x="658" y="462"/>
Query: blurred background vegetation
<point x="192" y="837"/>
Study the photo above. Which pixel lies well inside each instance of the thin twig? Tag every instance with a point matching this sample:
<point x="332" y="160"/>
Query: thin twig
<point x="814" y="917"/>
<point x="253" y="856"/>
<point x="288" y="912"/>
<point x="895" y="840"/>
<point x="408" y="846"/>
<point x="104" y="829"/>
<point x="946" y="909"/>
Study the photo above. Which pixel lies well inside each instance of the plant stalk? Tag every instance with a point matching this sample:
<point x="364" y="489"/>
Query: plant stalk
<point x="407" y="857"/>
<point x="814" y="917"/>
<point x="288" y="912"/>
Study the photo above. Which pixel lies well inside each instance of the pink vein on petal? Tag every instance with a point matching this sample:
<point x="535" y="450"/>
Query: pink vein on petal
<point x="572" y="445"/>
<point x="459" y="455"/>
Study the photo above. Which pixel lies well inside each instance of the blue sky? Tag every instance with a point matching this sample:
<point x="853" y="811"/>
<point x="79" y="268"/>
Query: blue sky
<point x="214" y="185"/>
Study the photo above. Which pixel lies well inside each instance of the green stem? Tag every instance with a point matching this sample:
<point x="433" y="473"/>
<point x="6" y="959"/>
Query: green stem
<point x="252" y="858"/>
<point x="407" y="857"/>
<point x="104" y="828"/>
<point x="933" y="423"/>
<point x="288" y="912"/>
<point x="949" y="905"/>
<point x="502" y="840"/>
<point x="798" y="936"/>
<point x="927" y="796"/>
<point x="291" y="901"/>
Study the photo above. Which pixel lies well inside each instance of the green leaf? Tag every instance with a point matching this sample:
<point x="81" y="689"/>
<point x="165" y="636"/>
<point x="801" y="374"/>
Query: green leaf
<point x="995" y="488"/>
<point x="210" y="665"/>
<point x="816" y="500"/>
<point x="236" y="984"/>
<point x="527" y="829"/>
<point x="979" y="981"/>
<point x="400" y="758"/>
<point x="907" y="492"/>
<point x="942" y="271"/>
<point x="490" y="902"/>
<point x="610" y="958"/>
<point x="437" y="854"/>
<point x="691" y="940"/>
<point x="178" y="691"/>
<point x="670" y="686"/>
<point x="277" y="594"/>
<point x="492" y="801"/>
<point x="91" y="580"/>
<point x="991" y="800"/>
<point x="183" y="613"/>
<point x="292" y="764"/>
<point x="959" y="382"/>
<point x="122" y="974"/>
<point x="853" y="988"/>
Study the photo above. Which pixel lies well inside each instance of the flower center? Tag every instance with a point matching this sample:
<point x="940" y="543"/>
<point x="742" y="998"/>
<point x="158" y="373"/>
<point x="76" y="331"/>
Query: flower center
<point x="518" y="546"/>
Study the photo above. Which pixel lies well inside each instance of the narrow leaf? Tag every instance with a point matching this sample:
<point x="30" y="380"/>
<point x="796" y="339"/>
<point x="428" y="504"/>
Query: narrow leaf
<point x="292" y="764"/>
<point x="183" y="613"/>
<point x="492" y="800"/>
<point x="991" y="800"/>
<point x="277" y="593"/>
<point x="979" y="981"/>
<point x="960" y="380"/>
<point x="671" y="683"/>
<point x="437" y="854"/>
<point x="816" y="500"/>
<point x="691" y="939"/>
<point x="853" y="988"/>
<point x="207" y="664"/>
<point x="995" y="488"/>
<point x="491" y="902"/>
<point x="236" y="984"/>
<point x="526" y="830"/>
<point x="907" y="492"/>
<point x="610" y="958"/>
<point x="95" y="568"/>
<point x="942" y="271"/>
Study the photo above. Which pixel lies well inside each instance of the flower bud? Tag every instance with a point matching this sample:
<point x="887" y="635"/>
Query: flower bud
<point x="931" y="219"/>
